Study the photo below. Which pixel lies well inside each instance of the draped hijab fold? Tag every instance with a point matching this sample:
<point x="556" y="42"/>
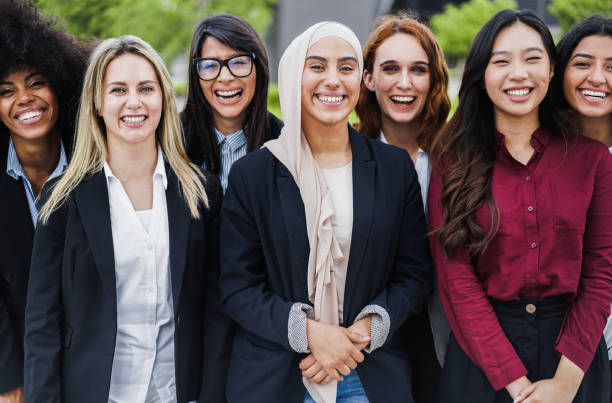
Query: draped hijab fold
<point x="293" y="151"/>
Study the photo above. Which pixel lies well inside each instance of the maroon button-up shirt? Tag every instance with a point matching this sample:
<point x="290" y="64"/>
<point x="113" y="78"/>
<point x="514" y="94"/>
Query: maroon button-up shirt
<point x="555" y="238"/>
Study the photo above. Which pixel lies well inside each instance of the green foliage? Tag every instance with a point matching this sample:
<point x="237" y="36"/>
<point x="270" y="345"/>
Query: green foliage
<point x="457" y="26"/>
<point x="166" y="24"/>
<point x="570" y="12"/>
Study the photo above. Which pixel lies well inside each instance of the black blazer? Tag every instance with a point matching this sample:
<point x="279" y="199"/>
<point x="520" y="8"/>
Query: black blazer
<point x="71" y="312"/>
<point x="264" y="266"/>
<point x="16" y="237"/>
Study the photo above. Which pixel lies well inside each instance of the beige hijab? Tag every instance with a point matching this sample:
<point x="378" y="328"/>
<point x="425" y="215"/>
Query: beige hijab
<point x="293" y="151"/>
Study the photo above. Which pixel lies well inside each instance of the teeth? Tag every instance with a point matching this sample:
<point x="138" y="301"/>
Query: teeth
<point x="402" y="99"/>
<point x="328" y="99"/>
<point x="590" y="93"/>
<point x="518" y="93"/>
<point x="29" y="115"/>
<point x="133" y="119"/>
<point x="228" y="93"/>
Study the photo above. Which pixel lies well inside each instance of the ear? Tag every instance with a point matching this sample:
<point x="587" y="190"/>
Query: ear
<point x="368" y="80"/>
<point x="552" y="72"/>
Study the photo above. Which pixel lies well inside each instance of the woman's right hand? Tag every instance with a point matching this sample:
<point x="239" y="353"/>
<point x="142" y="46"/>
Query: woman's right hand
<point x="332" y="346"/>
<point x="515" y="387"/>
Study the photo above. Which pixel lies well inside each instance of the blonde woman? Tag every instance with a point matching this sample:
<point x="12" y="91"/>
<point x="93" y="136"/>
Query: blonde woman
<point x="122" y="296"/>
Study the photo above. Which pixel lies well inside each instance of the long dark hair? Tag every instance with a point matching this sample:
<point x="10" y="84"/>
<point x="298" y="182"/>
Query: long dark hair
<point x="29" y="40"/>
<point x="466" y="145"/>
<point x="197" y="116"/>
<point x="594" y="25"/>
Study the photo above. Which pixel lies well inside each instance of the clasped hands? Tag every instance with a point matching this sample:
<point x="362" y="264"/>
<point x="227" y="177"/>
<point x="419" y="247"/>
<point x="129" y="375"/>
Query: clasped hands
<point x="335" y="350"/>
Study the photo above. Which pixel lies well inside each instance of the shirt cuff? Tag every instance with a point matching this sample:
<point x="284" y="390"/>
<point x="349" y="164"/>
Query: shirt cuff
<point x="296" y="326"/>
<point x="379" y="327"/>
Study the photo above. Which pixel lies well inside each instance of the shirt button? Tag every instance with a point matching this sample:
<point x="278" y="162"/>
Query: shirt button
<point x="528" y="178"/>
<point x="533" y="245"/>
<point x="530" y="209"/>
<point x="530" y="308"/>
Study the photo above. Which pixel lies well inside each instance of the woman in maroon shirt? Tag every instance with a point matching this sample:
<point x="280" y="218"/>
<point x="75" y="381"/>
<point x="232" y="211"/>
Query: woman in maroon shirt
<point x="522" y="230"/>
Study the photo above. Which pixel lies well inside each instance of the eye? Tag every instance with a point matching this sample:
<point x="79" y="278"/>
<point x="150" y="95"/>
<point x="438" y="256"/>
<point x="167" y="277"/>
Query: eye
<point x="609" y="67"/>
<point x="117" y="90"/>
<point x="500" y="62"/>
<point x="6" y="92"/>
<point x="534" y="58"/>
<point x="37" y="84"/>
<point x="347" y="68"/>
<point x="581" y="64"/>
<point x="316" y="67"/>
<point x="148" y="88"/>
<point x="420" y="69"/>
<point x="390" y="68"/>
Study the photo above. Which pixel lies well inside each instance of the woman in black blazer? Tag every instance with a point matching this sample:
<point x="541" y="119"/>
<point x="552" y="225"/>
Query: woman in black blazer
<point x="40" y="78"/>
<point x="326" y="250"/>
<point x="123" y="292"/>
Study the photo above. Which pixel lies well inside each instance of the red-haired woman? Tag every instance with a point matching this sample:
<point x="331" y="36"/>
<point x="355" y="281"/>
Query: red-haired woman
<point x="404" y="102"/>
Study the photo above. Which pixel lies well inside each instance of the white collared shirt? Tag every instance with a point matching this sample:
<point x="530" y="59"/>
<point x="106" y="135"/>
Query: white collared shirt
<point x="422" y="167"/>
<point x="143" y="364"/>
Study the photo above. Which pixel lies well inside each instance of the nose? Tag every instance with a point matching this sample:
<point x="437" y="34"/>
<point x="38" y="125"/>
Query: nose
<point x="518" y="71"/>
<point x="225" y="74"/>
<point x="133" y="100"/>
<point x="331" y="79"/>
<point x="596" y="76"/>
<point x="24" y="96"/>
<point x="405" y="80"/>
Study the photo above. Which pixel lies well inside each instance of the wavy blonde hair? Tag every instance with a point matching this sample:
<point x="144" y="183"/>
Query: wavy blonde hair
<point x="90" y="149"/>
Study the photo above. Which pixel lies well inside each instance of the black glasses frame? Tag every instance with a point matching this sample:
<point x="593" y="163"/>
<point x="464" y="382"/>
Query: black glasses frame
<point x="224" y="63"/>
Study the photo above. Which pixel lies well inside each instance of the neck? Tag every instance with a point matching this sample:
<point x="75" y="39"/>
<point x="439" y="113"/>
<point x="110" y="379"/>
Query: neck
<point x="403" y="135"/>
<point x="329" y="144"/>
<point x="132" y="161"/>
<point x="228" y="126"/>
<point x="39" y="155"/>
<point x="597" y="128"/>
<point x="517" y="129"/>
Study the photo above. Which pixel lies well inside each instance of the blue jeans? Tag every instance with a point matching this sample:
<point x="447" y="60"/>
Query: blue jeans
<point x="350" y="390"/>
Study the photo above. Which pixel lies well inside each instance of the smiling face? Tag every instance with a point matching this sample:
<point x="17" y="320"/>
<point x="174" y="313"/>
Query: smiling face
<point x="400" y="78"/>
<point x="228" y="96"/>
<point x="330" y="82"/>
<point x="587" y="81"/>
<point x="28" y="107"/>
<point x="131" y="101"/>
<point x="518" y="73"/>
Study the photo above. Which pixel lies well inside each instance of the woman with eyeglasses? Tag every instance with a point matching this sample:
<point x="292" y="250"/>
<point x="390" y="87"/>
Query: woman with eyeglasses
<point x="226" y="115"/>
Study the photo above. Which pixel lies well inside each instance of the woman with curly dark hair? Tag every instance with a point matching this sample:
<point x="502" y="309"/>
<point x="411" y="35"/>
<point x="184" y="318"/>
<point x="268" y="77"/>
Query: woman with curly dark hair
<point x="40" y="74"/>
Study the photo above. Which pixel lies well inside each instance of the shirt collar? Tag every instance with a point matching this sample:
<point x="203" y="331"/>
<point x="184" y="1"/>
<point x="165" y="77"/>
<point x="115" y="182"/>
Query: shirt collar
<point x="383" y="139"/>
<point x="15" y="170"/>
<point x="234" y="140"/>
<point x="160" y="169"/>
<point x="539" y="138"/>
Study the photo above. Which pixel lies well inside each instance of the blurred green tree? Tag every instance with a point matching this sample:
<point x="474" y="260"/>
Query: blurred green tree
<point x="166" y="24"/>
<point x="570" y="12"/>
<point x="457" y="26"/>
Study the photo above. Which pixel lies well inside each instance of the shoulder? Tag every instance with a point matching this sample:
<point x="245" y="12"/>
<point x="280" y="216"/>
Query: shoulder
<point x="255" y="161"/>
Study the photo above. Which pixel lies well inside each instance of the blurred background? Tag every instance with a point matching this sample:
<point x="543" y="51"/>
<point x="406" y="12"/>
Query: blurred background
<point x="168" y="24"/>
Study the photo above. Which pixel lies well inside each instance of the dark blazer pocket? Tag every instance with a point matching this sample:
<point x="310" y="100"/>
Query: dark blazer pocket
<point x="570" y="205"/>
<point x="67" y="337"/>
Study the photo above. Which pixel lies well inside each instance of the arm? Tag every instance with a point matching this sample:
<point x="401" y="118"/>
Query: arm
<point x="469" y="312"/>
<point x="44" y="312"/>
<point x="218" y="327"/>
<point x="11" y="352"/>
<point x="245" y="294"/>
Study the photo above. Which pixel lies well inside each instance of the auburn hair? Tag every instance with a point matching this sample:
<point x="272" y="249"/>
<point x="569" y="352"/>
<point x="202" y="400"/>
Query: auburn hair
<point x="437" y="105"/>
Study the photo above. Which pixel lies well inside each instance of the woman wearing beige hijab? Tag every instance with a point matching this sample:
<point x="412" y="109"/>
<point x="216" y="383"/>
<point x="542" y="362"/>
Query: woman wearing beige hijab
<point x="325" y="253"/>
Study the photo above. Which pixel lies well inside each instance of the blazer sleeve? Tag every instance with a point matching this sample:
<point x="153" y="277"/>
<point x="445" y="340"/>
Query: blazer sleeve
<point x="245" y="294"/>
<point x="44" y="312"/>
<point x="412" y="276"/>
<point x="218" y="327"/>
<point x="11" y="352"/>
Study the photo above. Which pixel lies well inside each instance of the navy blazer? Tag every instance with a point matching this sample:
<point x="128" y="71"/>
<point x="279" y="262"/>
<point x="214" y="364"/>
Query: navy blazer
<point x="264" y="269"/>
<point x="16" y="237"/>
<point x="71" y="312"/>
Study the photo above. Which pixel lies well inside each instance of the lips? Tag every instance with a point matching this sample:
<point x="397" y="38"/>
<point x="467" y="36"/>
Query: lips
<point x="133" y="121"/>
<point x="30" y="115"/>
<point x="403" y="100"/>
<point x="228" y="94"/>
<point x="330" y="99"/>
<point x="594" y="95"/>
<point x="518" y="92"/>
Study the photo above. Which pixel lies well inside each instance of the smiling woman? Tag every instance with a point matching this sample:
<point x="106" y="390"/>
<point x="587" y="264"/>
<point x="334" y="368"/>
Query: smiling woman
<point x="125" y="255"/>
<point x="41" y="71"/>
<point x="311" y="266"/>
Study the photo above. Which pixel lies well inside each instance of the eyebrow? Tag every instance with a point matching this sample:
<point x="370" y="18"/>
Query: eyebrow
<point x="341" y="59"/>
<point x="123" y="83"/>
<point x="26" y="79"/>
<point x="530" y="49"/>
<point x="423" y="62"/>
<point x="587" y="56"/>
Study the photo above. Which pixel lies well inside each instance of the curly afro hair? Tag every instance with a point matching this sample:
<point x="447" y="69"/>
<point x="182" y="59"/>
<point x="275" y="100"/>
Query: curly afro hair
<point x="29" y="39"/>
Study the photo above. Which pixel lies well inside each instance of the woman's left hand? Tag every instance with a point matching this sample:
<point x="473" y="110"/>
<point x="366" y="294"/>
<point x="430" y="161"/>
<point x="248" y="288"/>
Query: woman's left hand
<point x="547" y="391"/>
<point x="313" y="371"/>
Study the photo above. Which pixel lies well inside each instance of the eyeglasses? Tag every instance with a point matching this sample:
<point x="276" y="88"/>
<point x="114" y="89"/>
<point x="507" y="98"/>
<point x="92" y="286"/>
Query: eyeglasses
<point x="209" y="68"/>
